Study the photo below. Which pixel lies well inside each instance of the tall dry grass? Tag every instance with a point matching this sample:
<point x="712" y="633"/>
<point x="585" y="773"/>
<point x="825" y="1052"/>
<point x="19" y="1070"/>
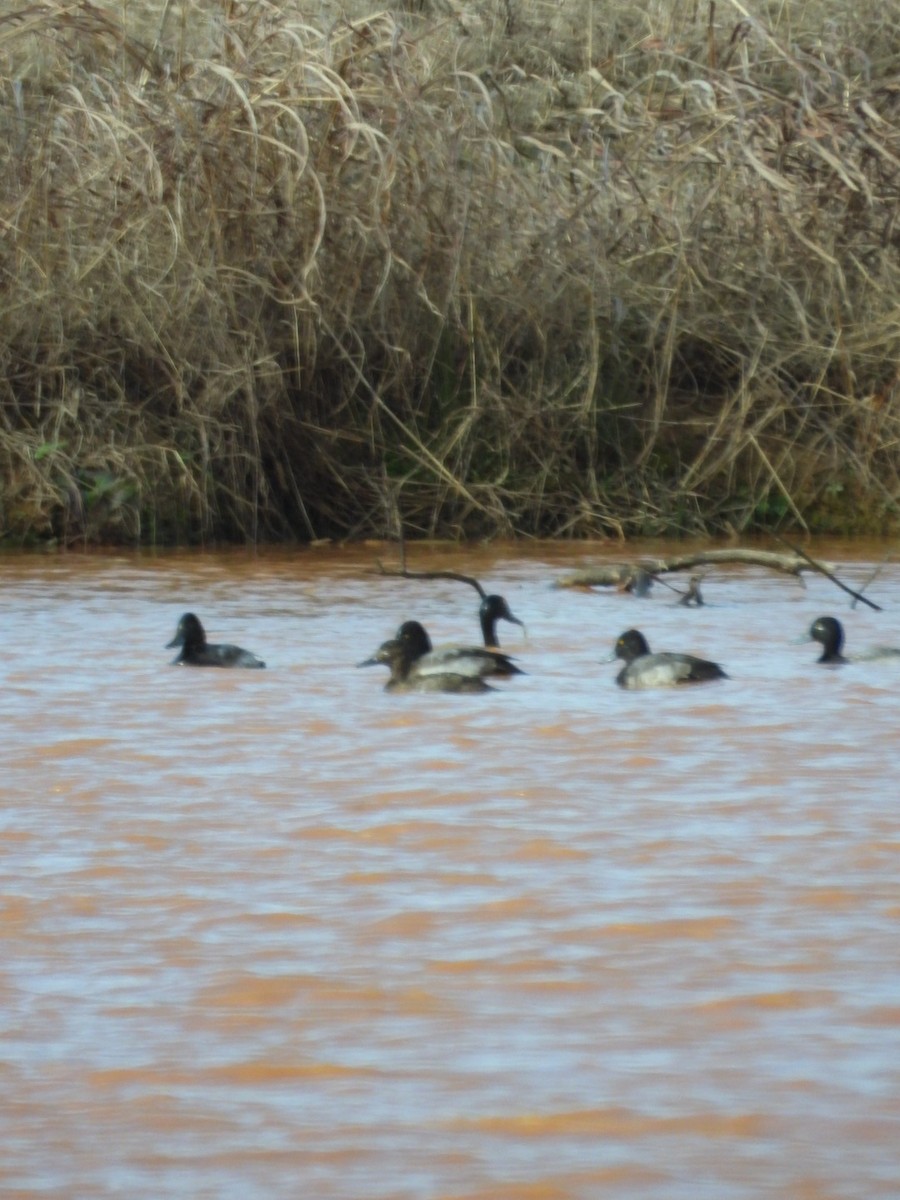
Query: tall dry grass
<point x="505" y="267"/>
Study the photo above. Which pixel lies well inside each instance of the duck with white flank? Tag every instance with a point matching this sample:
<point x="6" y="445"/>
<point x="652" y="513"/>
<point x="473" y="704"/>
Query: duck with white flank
<point x="645" y="670"/>
<point x="398" y="655"/>
<point x="476" y="662"/>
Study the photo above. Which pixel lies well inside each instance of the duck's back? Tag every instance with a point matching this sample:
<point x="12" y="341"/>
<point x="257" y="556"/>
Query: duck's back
<point x="223" y="655"/>
<point x="474" y="662"/>
<point x="877" y="654"/>
<point x="667" y="670"/>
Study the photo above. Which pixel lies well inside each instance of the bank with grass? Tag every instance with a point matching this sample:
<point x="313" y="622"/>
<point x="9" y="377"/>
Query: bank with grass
<point x="301" y="271"/>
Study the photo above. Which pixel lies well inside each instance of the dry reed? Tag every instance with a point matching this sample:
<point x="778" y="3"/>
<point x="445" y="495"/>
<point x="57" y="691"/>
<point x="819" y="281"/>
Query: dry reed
<point x="488" y="268"/>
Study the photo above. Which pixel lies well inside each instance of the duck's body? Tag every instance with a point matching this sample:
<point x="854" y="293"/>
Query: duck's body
<point x="829" y="633"/>
<point x="196" y="651"/>
<point x="396" y="654"/>
<point x="646" y="670"/>
<point x="476" y="662"/>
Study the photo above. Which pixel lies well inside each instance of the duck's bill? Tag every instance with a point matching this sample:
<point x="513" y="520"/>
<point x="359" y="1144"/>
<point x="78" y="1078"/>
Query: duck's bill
<point x="385" y="653"/>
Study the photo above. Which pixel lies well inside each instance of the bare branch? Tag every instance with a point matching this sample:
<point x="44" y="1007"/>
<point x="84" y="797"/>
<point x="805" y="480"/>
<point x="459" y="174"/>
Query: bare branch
<point x="823" y="570"/>
<point x="619" y="574"/>
<point x="403" y="573"/>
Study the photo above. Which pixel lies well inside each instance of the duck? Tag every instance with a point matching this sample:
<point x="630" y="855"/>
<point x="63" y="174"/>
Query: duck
<point x="472" y="661"/>
<point x="829" y="633"/>
<point x="196" y="651"/>
<point x="493" y="609"/>
<point x="398" y="655"/>
<point x="645" y="670"/>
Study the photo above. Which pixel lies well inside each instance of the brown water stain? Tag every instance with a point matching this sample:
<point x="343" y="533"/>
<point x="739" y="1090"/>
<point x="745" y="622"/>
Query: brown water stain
<point x="619" y="1123"/>
<point x="789" y="1000"/>
<point x="702" y="928"/>
<point x="593" y="1183"/>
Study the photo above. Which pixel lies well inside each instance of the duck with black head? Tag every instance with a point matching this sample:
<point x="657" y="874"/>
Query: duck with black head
<point x="666" y="669"/>
<point x="473" y="661"/>
<point x="829" y="633"/>
<point x="196" y="651"/>
<point x="493" y="609"/>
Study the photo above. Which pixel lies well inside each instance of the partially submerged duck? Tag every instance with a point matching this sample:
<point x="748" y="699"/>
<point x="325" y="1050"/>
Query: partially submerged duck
<point x="829" y="633"/>
<point x="472" y="661"/>
<point x="646" y="670"/>
<point x="196" y="651"/>
<point x="399" y="656"/>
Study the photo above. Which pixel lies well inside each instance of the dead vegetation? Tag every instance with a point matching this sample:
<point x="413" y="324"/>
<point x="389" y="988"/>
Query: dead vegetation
<point x="312" y="270"/>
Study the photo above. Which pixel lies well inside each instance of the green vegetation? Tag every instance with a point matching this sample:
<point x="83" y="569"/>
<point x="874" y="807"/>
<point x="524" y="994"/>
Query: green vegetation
<point x="497" y="267"/>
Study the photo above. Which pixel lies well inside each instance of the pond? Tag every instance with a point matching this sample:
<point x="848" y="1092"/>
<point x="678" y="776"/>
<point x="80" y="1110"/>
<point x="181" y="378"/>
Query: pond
<point x="281" y="933"/>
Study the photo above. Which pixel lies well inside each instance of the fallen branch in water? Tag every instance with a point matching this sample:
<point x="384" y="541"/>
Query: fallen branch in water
<point x="633" y="576"/>
<point x="693" y="596"/>
<point x="403" y="573"/>
<point x="823" y="570"/>
<point x="641" y="583"/>
<point x="621" y="574"/>
<point x="873" y="575"/>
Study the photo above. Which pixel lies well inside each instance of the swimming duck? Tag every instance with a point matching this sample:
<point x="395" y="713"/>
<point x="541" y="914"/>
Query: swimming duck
<point x="492" y="610"/>
<point x="196" y="651"/>
<point x="645" y="670"/>
<point x="398" y="655"/>
<point x="473" y="661"/>
<point x="829" y="633"/>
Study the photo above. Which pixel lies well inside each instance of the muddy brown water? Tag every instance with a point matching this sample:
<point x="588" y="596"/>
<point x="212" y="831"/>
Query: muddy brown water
<point x="279" y="934"/>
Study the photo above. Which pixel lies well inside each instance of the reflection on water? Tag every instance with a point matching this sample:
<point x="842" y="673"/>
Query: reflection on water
<point x="279" y="933"/>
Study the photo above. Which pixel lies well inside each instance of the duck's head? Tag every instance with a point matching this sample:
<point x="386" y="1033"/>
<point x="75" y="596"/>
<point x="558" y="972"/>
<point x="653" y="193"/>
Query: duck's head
<point x="631" y="645"/>
<point x="494" y="609"/>
<point x="829" y="633"/>
<point x="414" y="637"/>
<point x="394" y="654"/>
<point x="189" y="633"/>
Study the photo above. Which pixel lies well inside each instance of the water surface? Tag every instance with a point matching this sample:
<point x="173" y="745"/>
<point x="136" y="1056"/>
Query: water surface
<point x="278" y="933"/>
